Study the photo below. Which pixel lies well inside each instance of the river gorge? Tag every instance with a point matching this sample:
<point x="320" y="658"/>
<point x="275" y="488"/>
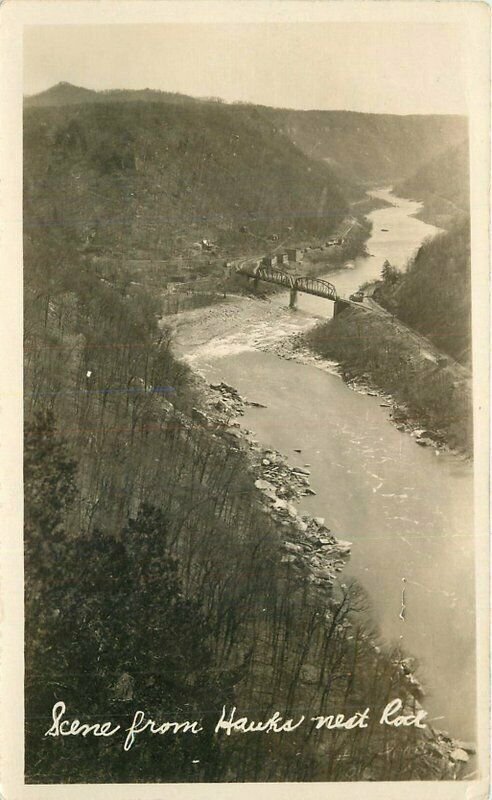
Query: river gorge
<point x="413" y="550"/>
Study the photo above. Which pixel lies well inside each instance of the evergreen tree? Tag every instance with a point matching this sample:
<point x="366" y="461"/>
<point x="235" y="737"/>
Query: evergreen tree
<point x="109" y="632"/>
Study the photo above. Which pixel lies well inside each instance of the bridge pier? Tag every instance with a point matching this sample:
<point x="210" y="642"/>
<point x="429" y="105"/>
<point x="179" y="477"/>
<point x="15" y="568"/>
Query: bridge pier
<point x="293" y="298"/>
<point x="340" y="305"/>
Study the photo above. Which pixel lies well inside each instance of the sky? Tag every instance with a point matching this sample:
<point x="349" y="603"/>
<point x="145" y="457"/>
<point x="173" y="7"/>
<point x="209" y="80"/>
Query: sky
<point x="411" y="68"/>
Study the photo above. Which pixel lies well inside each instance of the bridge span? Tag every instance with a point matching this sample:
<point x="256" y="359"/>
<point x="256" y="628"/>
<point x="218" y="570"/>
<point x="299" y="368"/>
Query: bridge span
<point x="258" y="271"/>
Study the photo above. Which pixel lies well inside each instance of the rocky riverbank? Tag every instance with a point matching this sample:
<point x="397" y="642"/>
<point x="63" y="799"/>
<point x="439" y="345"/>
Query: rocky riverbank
<point x="428" y="397"/>
<point x="293" y="348"/>
<point x="238" y="322"/>
<point x="245" y="323"/>
<point x="307" y="543"/>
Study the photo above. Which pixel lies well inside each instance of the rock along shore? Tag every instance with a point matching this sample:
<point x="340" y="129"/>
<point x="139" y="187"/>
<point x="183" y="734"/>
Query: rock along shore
<point x="307" y="543"/>
<point x="294" y="348"/>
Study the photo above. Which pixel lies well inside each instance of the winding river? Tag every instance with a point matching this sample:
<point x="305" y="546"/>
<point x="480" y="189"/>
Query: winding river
<point x="408" y="510"/>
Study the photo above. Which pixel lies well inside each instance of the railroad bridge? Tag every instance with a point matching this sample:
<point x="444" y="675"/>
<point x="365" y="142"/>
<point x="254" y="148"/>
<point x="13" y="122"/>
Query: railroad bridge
<point x="295" y="283"/>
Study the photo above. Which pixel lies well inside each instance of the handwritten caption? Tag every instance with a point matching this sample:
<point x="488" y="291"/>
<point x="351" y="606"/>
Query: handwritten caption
<point x="229" y="723"/>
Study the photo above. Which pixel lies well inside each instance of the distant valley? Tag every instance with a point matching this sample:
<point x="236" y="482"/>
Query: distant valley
<point x="443" y="185"/>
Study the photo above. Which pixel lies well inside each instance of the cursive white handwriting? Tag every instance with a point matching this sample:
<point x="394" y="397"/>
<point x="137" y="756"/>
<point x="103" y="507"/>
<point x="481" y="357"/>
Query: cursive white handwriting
<point x="140" y="724"/>
<point x="62" y="727"/>
<point x="357" y="720"/>
<point x="273" y="724"/>
<point x="405" y="720"/>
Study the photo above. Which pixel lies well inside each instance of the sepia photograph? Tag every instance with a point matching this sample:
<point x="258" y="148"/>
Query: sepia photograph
<point x="251" y="526"/>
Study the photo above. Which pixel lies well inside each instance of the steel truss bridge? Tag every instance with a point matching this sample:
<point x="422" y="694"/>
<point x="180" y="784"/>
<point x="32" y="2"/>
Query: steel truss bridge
<point x="295" y="283"/>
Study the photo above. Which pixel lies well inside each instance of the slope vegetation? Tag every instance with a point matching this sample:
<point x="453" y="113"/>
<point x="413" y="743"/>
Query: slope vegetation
<point x="443" y="186"/>
<point x="432" y="297"/>
<point x="369" y="147"/>
<point x="158" y="176"/>
<point x="63" y="94"/>
<point x="358" y="147"/>
<point x="434" y="294"/>
<point x="374" y="352"/>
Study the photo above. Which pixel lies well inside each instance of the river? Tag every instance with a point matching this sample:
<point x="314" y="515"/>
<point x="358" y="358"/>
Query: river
<point x="408" y="510"/>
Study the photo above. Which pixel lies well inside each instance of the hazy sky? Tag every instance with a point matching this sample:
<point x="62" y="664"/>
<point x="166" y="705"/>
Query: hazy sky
<point x="398" y="68"/>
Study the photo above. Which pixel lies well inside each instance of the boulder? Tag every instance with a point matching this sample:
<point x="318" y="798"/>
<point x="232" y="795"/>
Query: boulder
<point x="468" y="747"/>
<point x="459" y="755"/>
<point x="323" y="573"/>
<point x="432" y="435"/>
<point x="198" y="415"/>
<point x="292" y="548"/>
<point x="267" y="488"/>
<point x="280" y="505"/>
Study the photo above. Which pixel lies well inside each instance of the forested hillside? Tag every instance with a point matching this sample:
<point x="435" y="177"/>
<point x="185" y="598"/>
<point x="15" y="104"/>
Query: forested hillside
<point x="63" y="94"/>
<point x="443" y="185"/>
<point x="359" y="147"/>
<point x="156" y="177"/>
<point x="434" y="294"/>
<point x="369" y="147"/>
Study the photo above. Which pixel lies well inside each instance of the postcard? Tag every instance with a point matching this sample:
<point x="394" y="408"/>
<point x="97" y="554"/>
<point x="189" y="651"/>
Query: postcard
<point x="245" y="465"/>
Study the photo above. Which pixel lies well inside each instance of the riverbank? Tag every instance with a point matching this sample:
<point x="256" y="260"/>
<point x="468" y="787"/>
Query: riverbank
<point x="281" y="478"/>
<point x="307" y="544"/>
<point x="429" y="395"/>
<point x="318" y="258"/>
<point x="238" y="322"/>
<point x="435" y="210"/>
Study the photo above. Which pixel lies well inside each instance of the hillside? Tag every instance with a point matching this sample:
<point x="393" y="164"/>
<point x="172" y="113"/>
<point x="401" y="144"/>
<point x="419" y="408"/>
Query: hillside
<point x="432" y="297"/>
<point x="434" y="294"/>
<point x="369" y="147"/>
<point x="358" y="147"/>
<point x="376" y="353"/>
<point x="63" y="94"/>
<point x="156" y="177"/>
<point x="443" y="185"/>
